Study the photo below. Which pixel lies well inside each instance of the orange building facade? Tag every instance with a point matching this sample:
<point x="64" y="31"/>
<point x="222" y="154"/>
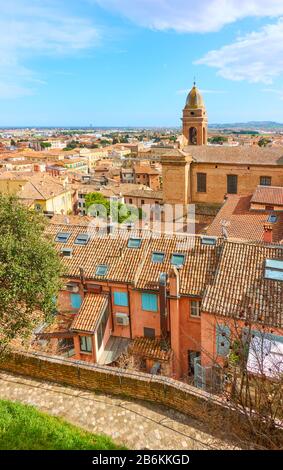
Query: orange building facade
<point x="163" y="298"/>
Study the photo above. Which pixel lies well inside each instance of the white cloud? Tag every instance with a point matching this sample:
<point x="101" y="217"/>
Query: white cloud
<point x="255" y="57"/>
<point x="31" y="29"/>
<point x="191" y="15"/>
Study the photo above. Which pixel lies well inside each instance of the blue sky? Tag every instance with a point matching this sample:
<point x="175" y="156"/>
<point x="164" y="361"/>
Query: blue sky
<point x="125" y="62"/>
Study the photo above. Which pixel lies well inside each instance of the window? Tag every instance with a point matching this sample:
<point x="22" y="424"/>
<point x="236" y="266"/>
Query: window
<point x="272" y="218"/>
<point x="201" y="182"/>
<point x="130" y="201"/>
<point x="232" y="184"/>
<point x="177" y="260"/>
<point x="121" y="299"/>
<point x="76" y="300"/>
<point x="68" y="252"/>
<point x="142" y="202"/>
<point x="102" y="327"/>
<point x="134" y="243"/>
<point x="85" y="344"/>
<point x="208" y="240"/>
<point x="265" y="180"/>
<point x="149" y="332"/>
<point x="149" y="302"/>
<point x="269" y="208"/>
<point x="101" y="270"/>
<point x="62" y="237"/>
<point x="195" y="308"/>
<point x="158" y="257"/>
<point x="82" y="239"/>
<point x="222" y="340"/>
<point x="274" y="269"/>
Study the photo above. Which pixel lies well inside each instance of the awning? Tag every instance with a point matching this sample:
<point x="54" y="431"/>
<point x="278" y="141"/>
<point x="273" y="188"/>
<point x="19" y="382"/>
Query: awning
<point x="265" y="357"/>
<point x="113" y="349"/>
<point x="90" y="313"/>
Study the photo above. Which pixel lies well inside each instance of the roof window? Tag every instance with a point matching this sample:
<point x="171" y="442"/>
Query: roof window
<point x="273" y="269"/>
<point x="62" y="237"/>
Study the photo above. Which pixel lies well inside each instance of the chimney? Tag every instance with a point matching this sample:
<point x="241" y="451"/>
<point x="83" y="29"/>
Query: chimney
<point x="163" y="306"/>
<point x="109" y="227"/>
<point x="174" y="282"/>
<point x="267" y="232"/>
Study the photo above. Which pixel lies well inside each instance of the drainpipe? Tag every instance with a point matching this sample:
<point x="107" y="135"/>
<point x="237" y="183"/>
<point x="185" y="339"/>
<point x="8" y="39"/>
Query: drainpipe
<point x="130" y="314"/>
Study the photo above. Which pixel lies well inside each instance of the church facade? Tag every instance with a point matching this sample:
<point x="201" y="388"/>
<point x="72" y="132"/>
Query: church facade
<point x="203" y="173"/>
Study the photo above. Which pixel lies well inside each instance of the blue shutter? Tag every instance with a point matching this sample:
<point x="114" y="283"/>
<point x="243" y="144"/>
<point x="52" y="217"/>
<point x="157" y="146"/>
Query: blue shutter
<point x="76" y="300"/>
<point x="222" y="340"/>
<point x="149" y="302"/>
<point x="121" y="299"/>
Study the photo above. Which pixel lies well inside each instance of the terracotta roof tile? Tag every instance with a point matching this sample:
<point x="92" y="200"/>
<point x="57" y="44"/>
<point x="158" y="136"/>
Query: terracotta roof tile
<point x="90" y="313"/>
<point x="272" y="195"/>
<point x="150" y="348"/>
<point x="240" y="289"/>
<point x="237" y="155"/>
<point x="243" y="223"/>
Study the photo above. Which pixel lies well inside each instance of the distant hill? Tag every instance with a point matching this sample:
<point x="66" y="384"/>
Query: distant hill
<point x="252" y="125"/>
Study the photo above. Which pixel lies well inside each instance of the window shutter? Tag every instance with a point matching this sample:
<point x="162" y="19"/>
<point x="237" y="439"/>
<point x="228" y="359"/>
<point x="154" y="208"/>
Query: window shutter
<point x="76" y="300"/>
<point x="222" y="340"/>
<point x="121" y="299"/>
<point x="149" y="302"/>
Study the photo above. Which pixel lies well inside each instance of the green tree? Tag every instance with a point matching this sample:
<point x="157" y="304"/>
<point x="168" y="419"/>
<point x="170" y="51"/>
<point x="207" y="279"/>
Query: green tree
<point x="218" y="139"/>
<point x="45" y="145"/>
<point x="13" y="143"/>
<point x="30" y="271"/>
<point x="263" y="142"/>
<point x="72" y="145"/>
<point x="119" y="212"/>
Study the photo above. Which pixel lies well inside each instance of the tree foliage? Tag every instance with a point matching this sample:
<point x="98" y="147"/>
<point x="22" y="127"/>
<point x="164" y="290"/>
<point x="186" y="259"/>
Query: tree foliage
<point x="30" y="271"/>
<point x="218" y="139"/>
<point x="118" y="211"/>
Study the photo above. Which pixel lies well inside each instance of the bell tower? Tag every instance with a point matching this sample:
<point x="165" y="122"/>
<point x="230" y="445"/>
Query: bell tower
<point x="194" y="119"/>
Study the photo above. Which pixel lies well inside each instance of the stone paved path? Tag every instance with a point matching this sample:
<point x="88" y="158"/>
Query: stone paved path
<point x="136" y="424"/>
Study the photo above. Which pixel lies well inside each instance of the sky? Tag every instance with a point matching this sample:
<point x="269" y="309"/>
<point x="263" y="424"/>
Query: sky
<point x="132" y="62"/>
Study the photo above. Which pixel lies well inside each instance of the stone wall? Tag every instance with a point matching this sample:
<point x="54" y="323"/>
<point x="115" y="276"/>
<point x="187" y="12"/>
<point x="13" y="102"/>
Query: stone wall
<point x="202" y="406"/>
<point x="163" y="390"/>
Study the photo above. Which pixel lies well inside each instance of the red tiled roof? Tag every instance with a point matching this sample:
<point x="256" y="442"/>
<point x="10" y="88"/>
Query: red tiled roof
<point x="243" y="223"/>
<point x="90" y="312"/>
<point x="239" y="288"/>
<point x="150" y="348"/>
<point x="254" y="155"/>
<point x="272" y="195"/>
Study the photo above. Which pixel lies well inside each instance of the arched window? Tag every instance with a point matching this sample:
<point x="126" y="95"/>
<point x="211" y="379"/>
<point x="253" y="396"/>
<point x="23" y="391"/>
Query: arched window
<point x="204" y="136"/>
<point x="193" y="136"/>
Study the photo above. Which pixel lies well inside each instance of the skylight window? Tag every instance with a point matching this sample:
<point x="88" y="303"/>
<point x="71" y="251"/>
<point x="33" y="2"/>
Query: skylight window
<point x="274" y="269"/>
<point x="134" y="243"/>
<point x="101" y="270"/>
<point x="158" y="257"/>
<point x="62" y="237"/>
<point x="82" y="239"/>
<point x="208" y="241"/>
<point x="177" y="259"/>
<point x="67" y="252"/>
<point x="272" y="218"/>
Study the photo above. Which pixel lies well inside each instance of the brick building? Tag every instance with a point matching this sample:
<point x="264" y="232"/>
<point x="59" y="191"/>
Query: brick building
<point x="202" y="173"/>
<point x="162" y="298"/>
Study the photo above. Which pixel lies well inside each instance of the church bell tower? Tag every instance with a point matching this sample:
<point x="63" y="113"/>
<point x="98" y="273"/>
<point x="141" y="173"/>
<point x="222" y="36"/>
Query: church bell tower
<point x="194" y="119"/>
